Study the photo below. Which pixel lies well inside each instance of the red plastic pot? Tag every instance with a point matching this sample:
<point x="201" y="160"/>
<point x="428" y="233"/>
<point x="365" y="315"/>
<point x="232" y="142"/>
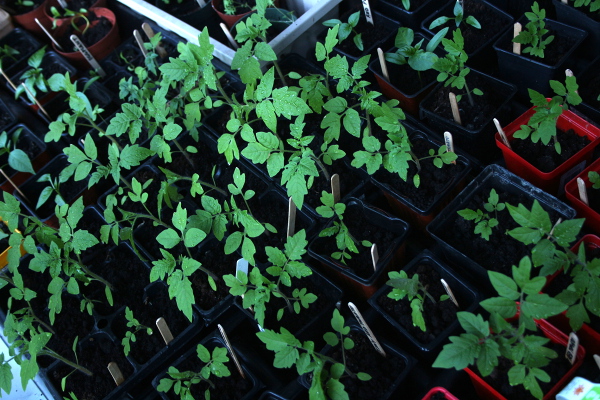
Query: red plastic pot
<point x="592" y="217"/>
<point x="100" y="49"/>
<point x="230" y="20"/>
<point x="62" y="21"/>
<point x="486" y="392"/>
<point x="435" y="390"/>
<point x="554" y="181"/>
<point x="27" y="20"/>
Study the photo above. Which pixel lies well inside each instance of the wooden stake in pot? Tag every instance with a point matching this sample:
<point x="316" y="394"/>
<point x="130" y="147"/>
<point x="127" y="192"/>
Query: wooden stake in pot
<point x="35" y="100"/>
<point x="230" y="348"/>
<point x="37" y="21"/>
<point x="162" y="53"/>
<point x="502" y="134"/>
<point x="516" y="30"/>
<point x="87" y="55"/>
<point x="449" y="291"/>
<point x="454" y="106"/>
<point x="229" y="37"/>
<point x="582" y="192"/>
<point x="384" y="70"/>
<point x="368" y="14"/>
<point x="374" y="256"/>
<point x="335" y="187"/>
<point x="164" y="330"/>
<point x="140" y="42"/>
<point x="291" y="222"/>
<point x="366" y="329"/>
<point x="115" y="372"/>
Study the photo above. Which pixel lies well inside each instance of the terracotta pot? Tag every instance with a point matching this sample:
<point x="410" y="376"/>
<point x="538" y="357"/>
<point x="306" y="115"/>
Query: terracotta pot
<point x="100" y="49"/>
<point x="230" y="20"/>
<point x="27" y="20"/>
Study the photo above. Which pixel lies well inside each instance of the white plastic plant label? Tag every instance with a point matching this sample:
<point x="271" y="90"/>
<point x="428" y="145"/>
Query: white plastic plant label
<point x="580" y="389"/>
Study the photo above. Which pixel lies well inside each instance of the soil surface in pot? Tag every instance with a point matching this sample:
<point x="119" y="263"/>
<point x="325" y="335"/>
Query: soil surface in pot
<point x="554" y="51"/>
<point x="438" y="316"/>
<point x="434" y="180"/>
<point x="371" y="34"/>
<point x="359" y="226"/>
<point x="501" y="251"/>
<point x="19" y="8"/>
<point x="492" y="23"/>
<point x="409" y="81"/>
<point x="557" y="368"/>
<point x="473" y="117"/>
<point x="96" y="31"/>
<point x="95" y="354"/>
<point x="364" y="358"/>
<point x="544" y="157"/>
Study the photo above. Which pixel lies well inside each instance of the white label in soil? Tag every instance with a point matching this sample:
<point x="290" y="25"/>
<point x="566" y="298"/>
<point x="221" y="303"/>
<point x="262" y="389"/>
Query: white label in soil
<point x="570" y="174"/>
<point x="368" y="14"/>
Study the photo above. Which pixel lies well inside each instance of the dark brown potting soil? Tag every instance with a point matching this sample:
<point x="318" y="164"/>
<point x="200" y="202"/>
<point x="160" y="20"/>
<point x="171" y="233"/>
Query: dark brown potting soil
<point x="491" y="23"/>
<point x="474" y="116"/>
<point x="371" y="34"/>
<point x="438" y="316"/>
<point x="544" y="157"/>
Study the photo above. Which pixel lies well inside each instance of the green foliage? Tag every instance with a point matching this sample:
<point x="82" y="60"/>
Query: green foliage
<point x="534" y="32"/>
<point x="181" y="382"/>
<point x="130" y="334"/>
<point x="347" y="28"/>
<point x="458" y="18"/>
<point x="417" y="58"/>
<point x="484" y="222"/>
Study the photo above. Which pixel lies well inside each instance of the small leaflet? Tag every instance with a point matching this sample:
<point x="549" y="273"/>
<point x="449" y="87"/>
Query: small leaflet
<point x="572" y="347"/>
<point x="115" y="372"/>
<point x="366" y="329"/>
<point x="164" y="330"/>
<point x="230" y="348"/>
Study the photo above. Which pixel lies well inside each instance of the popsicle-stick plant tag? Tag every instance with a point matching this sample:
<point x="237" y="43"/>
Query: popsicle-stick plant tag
<point x="368" y="13"/>
<point x="582" y="192"/>
<point x="366" y="329"/>
<point x="374" y="256"/>
<point x="228" y="35"/>
<point x="454" y="106"/>
<point x="162" y="53"/>
<point x="231" y="351"/>
<point x="43" y="28"/>
<point x="502" y="134"/>
<point x="449" y="141"/>
<point x="449" y="292"/>
<point x="291" y="222"/>
<point x="32" y="97"/>
<point x="572" y="347"/>
<point x="88" y="56"/>
<point x="116" y="373"/>
<point x="164" y="330"/>
<point x="335" y="187"/>
<point x="140" y="42"/>
<point x="516" y="30"/>
<point x="384" y="69"/>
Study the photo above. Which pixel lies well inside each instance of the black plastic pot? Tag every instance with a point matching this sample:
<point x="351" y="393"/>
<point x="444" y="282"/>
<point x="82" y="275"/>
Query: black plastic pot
<point x="480" y="57"/>
<point x="493" y="176"/>
<point x="210" y="343"/>
<point x="476" y="137"/>
<point x="528" y="73"/>
<point x="25" y="43"/>
<point x="411" y="18"/>
<point x="570" y="15"/>
<point x="363" y="287"/>
<point x="467" y="296"/>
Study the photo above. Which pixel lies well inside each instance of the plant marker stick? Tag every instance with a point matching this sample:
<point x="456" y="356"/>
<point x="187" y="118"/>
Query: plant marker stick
<point x="383" y="64"/>
<point x="115" y="372"/>
<point x="36" y="100"/>
<point x="449" y="291"/>
<point x="572" y="348"/>
<point x="335" y="187"/>
<point x="230" y="348"/>
<point x="8" y="79"/>
<point x="449" y="143"/>
<point x="291" y="222"/>
<point x="88" y="56"/>
<point x="454" y="106"/>
<point x="37" y="21"/>
<point x="162" y="326"/>
<point x="366" y="329"/>
<point x="582" y="191"/>
<point x="374" y="256"/>
<point x="516" y="30"/>
<point x="368" y="14"/>
<point x="229" y="37"/>
<point x="162" y="53"/>
<point x="140" y="42"/>
<point x="13" y="185"/>
<point x="502" y="134"/>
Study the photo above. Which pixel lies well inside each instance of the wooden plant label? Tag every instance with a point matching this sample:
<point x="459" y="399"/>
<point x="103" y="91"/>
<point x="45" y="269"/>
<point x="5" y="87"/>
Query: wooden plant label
<point x="230" y="348"/>
<point x="449" y="291"/>
<point x="88" y="56"/>
<point x="140" y="42"/>
<point x="366" y="329"/>
<point x="384" y="70"/>
<point x="582" y="191"/>
<point x="374" y="256"/>
<point x="291" y="223"/>
<point x="228" y="35"/>
<point x="502" y="134"/>
<point x="241" y="265"/>
<point x="115" y="372"/>
<point x="368" y="14"/>
<point x="164" y="330"/>
<point x="454" y="106"/>
<point x="516" y="30"/>
<point x="43" y="28"/>
<point x="335" y="187"/>
<point x="449" y="143"/>
<point x="572" y="346"/>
